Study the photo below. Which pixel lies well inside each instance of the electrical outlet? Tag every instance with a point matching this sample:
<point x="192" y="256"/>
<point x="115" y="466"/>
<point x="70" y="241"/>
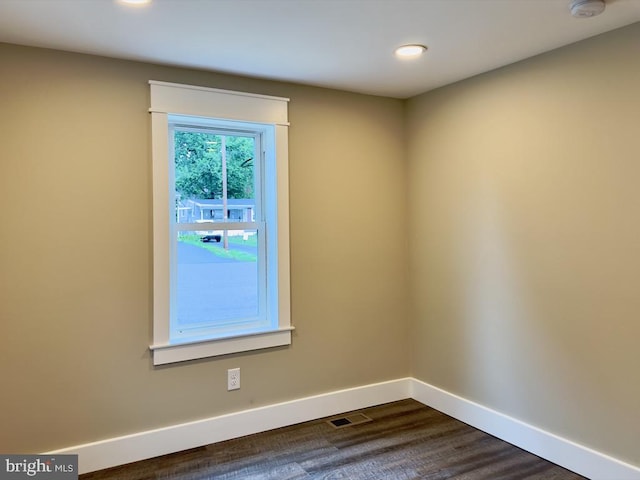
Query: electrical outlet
<point x="233" y="379"/>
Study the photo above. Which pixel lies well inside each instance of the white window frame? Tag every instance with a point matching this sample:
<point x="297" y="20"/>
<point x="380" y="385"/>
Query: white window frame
<point x="170" y="103"/>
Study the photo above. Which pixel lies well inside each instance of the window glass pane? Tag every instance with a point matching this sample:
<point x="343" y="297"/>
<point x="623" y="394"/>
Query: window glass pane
<point x="215" y="286"/>
<point x="214" y="177"/>
<point x="216" y="283"/>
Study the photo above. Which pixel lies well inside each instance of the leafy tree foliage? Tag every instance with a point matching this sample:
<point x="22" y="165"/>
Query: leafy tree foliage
<point x="198" y="165"/>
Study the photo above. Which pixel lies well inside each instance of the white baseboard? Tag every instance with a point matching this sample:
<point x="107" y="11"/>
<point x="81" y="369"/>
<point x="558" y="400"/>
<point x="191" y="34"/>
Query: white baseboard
<point x="563" y="452"/>
<point x="139" y="446"/>
<point x="161" y="441"/>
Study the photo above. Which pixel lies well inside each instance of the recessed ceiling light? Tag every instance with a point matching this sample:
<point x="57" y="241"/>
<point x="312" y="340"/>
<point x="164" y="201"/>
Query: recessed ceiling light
<point x="135" y="2"/>
<point x="410" y="51"/>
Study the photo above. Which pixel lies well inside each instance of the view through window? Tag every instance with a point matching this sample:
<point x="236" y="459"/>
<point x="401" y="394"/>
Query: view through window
<point x="219" y="276"/>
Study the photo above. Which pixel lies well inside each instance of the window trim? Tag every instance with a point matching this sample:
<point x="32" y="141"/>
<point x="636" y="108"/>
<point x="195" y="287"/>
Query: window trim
<point x="169" y="99"/>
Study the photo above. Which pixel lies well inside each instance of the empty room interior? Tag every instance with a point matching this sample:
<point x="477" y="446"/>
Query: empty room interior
<point x="473" y="246"/>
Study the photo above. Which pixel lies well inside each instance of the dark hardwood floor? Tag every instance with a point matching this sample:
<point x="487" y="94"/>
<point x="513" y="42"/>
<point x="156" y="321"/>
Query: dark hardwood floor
<point x="405" y="440"/>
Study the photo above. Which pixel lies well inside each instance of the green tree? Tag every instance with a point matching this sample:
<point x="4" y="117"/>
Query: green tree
<point x="198" y="165"/>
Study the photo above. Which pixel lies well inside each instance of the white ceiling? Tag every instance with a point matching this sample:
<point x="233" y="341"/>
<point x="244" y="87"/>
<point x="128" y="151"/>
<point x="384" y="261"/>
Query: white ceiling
<point x="344" y="44"/>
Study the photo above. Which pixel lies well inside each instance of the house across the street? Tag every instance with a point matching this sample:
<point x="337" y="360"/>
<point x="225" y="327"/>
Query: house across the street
<point x="238" y="209"/>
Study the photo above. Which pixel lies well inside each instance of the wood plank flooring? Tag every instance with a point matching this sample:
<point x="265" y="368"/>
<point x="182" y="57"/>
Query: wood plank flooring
<point x="406" y="440"/>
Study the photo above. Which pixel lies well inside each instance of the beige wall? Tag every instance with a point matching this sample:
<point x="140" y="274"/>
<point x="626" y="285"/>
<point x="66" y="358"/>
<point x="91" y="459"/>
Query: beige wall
<point x="75" y="256"/>
<point x="525" y="240"/>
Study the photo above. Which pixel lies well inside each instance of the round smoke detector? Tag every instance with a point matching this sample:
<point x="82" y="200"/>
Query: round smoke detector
<point x="587" y="8"/>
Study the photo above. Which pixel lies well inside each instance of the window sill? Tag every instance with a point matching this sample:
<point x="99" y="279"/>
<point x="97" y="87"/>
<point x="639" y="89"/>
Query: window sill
<point x="181" y="352"/>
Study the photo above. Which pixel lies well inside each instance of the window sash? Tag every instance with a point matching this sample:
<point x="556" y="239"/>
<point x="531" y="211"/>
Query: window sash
<point x="219" y="328"/>
<point x="219" y="225"/>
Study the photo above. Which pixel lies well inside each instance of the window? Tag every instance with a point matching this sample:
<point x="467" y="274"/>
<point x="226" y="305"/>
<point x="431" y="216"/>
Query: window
<point x="220" y="222"/>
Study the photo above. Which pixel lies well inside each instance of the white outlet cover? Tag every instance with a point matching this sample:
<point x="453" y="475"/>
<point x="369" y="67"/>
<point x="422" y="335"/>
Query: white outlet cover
<point x="233" y="379"/>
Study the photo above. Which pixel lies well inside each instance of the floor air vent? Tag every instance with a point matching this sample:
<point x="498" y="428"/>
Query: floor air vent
<point x="348" y="420"/>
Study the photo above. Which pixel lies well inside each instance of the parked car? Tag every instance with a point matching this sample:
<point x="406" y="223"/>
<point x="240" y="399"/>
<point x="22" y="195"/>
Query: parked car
<point x="209" y="235"/>
<point x="211" y="238"/>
